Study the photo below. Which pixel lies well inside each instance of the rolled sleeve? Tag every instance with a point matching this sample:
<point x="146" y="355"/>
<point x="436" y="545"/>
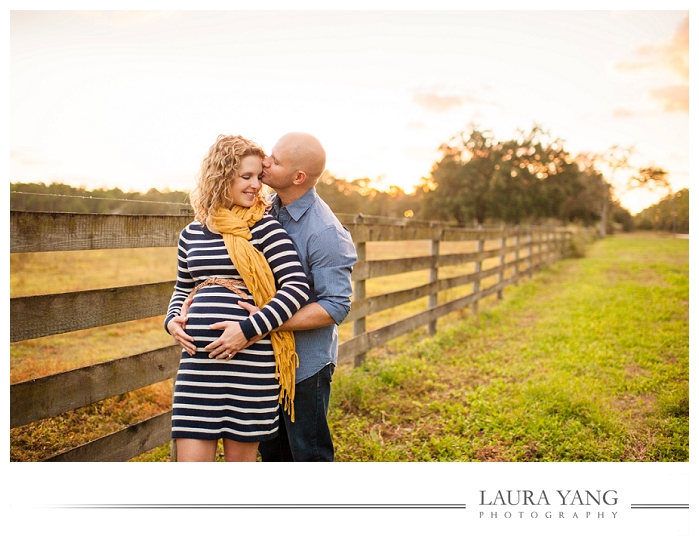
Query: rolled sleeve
<point x="331" y="258"/>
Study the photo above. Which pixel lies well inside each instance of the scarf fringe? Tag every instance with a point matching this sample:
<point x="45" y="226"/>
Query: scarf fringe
<point x="285" y="354"/>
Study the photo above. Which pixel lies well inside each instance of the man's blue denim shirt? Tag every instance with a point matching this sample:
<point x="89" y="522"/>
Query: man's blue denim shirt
<point x="327" y="255"/>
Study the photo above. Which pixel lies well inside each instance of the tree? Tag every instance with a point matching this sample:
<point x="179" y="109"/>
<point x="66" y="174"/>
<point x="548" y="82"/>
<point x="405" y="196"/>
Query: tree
<point x="584" y="204"/>
<point x="655" y="178"/>
<point x="461" y="179"/>
<point x="613" y="160"/>
<point x="650" y="177"/>
<point x="359" y="196"/>
<point x="529" y="177"/>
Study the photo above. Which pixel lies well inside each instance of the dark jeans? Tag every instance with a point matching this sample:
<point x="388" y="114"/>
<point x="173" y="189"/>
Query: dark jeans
<point x="307" y="439"/>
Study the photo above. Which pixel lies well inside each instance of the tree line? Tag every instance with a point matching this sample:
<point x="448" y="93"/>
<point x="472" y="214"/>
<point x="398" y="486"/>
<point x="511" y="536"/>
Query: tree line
<point x="528" y="179"/>
<point x="671" y="213"/>
<point x="63" y="198"/>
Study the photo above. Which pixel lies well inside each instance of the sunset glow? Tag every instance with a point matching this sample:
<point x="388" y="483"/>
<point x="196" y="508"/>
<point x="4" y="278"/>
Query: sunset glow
<point x="134" y="99"/>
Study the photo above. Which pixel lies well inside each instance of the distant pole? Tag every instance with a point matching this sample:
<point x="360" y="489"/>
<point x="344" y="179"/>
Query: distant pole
<point x="605" y="209"/>
<point x="477" y="267"/>
<point x="359" y="325"/>
<point x="433" y="299"/>
<point x="503" y="247"/>
<point x="674" y="213"/>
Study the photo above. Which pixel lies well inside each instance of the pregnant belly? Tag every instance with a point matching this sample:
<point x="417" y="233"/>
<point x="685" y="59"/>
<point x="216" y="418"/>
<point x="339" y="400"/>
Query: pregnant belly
<point x="212" y="305"/>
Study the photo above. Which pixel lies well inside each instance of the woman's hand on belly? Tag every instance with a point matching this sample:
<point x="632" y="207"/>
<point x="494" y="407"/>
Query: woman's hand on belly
<point x="176" y="328"/>
<point x="229" y="343"/>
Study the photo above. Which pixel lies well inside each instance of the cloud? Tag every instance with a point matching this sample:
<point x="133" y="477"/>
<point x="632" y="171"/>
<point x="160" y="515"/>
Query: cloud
<point x="437" y="103"/>
<point x="622" y="112"/>
<point x="416" y="126"/>
<point x="31" y="157"/>
<point x="672" y="54"/>
<point x="674" y="98"/>
<point x="443" y="103"/>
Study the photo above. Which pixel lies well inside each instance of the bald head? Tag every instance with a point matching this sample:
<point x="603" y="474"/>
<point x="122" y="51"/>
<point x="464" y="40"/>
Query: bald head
<point x="305" y="153"/>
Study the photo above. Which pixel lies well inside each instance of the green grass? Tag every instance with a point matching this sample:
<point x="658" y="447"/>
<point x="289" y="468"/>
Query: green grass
<point x="588" y="361"/>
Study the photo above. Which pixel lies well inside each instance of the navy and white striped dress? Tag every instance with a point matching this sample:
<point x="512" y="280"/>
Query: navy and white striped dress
<point x="236" y="399"/>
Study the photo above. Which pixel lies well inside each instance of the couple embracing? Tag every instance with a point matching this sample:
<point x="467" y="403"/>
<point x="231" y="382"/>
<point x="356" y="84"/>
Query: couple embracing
<point x="262" y="283"/>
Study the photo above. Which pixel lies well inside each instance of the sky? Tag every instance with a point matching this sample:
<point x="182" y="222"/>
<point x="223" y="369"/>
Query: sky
<point x="134" y="99"/>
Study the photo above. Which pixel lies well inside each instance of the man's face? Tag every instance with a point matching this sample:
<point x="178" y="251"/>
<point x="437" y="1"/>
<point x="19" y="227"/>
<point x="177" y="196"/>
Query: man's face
<point x="277" y="172"/>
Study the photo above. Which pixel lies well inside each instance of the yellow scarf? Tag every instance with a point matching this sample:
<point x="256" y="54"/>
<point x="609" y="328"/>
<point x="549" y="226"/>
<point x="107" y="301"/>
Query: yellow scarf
<point x="234" y="226"/>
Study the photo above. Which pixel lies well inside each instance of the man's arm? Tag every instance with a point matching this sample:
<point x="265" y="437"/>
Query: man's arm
<point x="311" y="316"/>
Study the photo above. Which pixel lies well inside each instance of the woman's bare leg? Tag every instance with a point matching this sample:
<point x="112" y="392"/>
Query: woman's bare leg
<point x="235" y="451"/>
<point x="196" y="450"/>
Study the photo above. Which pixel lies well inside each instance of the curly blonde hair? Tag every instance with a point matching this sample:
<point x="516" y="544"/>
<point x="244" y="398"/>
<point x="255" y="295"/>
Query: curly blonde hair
<point x="218" y="169"/>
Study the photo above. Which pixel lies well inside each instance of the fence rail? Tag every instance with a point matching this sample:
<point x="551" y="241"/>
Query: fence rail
<point x="44" y="315"/>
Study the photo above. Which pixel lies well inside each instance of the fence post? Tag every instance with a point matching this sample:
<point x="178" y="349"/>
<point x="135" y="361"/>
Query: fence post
<point x="530" y="259"/>
<point x="359" y="325"/>
<point x="477" y="267"/>
<point x="433" y="299"/>
<point x="503" y="245"/>
<point x="517" y="257"/>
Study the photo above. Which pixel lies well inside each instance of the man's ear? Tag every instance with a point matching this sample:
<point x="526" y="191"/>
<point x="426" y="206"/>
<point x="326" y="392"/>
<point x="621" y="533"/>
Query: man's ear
<point x="300" y="177"/>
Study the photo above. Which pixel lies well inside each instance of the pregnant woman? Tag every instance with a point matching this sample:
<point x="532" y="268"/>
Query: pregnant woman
<point x="232" y="251"/>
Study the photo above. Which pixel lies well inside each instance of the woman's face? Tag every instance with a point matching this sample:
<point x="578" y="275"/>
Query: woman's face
<point x="246" y="185"/>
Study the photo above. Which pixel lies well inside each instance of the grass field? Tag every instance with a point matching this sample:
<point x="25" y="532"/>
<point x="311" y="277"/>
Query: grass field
<point x="566" y="368"/>
<point x="589" y="361"/>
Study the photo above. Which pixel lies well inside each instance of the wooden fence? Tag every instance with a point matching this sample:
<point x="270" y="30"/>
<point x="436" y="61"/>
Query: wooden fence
<point x="519" y="252"/>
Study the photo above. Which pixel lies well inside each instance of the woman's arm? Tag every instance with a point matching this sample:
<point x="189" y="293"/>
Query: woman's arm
<point x="175" y="319"/>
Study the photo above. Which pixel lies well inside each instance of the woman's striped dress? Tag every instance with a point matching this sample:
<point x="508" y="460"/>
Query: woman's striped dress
<point x="236" y="399"/>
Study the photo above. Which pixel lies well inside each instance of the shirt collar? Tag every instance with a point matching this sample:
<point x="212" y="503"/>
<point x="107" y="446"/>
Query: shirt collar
<point x="298" y="207"/>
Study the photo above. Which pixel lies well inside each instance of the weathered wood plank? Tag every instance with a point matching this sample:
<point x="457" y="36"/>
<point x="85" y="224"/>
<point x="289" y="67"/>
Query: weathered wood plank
<point x="32" y="232"/>
<point x="44" y="315"/>
<point x="51" y="395"/>
<point x="378" y="337"/>
<point x="374" y="304"/>
<point x="372" y="232"/>
<point x="371" y="269"/>
<point x="361" y="233"/>
<point x="122" y="445"/>
<point x="37" y="232"/>
<point x="463" y="234"/>
<point x="457" y="259"/>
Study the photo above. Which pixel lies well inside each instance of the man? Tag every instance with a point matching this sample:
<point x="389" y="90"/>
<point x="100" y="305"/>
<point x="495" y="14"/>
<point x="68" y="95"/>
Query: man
<point x="327" y="255"/>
